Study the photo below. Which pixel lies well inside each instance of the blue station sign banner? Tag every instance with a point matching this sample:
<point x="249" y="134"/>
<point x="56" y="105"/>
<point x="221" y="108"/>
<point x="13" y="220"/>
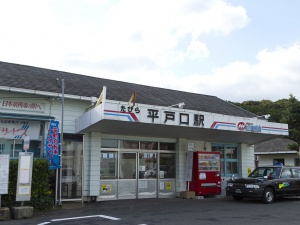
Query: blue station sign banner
<point x="53" y="146"/>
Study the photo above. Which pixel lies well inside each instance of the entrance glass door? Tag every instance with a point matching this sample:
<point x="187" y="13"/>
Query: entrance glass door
<point x="128" y="176"/>
<point x="72" y="170"/>
<point x="148" y="174"/>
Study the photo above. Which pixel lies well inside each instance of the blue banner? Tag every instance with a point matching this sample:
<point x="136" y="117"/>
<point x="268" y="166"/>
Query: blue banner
<point x="52" y="145"/>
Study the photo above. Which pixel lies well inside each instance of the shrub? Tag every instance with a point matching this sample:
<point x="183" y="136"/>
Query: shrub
<point x="41" y="195"/>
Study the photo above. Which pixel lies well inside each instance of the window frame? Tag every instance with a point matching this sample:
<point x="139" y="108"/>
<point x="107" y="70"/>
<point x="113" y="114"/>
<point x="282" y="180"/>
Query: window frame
<point x="224" y="160"/>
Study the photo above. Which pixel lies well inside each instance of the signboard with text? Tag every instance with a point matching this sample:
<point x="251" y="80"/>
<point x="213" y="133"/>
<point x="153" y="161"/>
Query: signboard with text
<point x="24" y="176"/>
<point x="18" y="129"/>
<point x="4" y="174"/>
<point x="190" y="118"/>
<point x="52" y="145"/>
<point x="22" y="105"/>
<point x="142" y="113"/>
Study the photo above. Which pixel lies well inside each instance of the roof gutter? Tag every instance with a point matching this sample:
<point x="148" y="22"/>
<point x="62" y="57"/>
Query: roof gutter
<point x="48" y="94"/>
<point x="277" y="152"/>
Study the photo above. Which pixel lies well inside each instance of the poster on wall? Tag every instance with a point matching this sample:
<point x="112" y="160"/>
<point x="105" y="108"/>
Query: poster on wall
<point x="106" y="188"/>
<point x="52" y="145"/>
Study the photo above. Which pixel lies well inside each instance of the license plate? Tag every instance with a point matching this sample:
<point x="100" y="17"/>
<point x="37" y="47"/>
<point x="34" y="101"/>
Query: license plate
<point x="238" y="191"/>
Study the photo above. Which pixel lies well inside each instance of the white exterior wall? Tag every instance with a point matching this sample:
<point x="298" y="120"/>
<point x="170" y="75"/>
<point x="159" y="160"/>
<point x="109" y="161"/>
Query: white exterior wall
<point x="181" y="148"/>
<point x="72" y="110"/>
<point x="246" y="159"/>
<point x="92" y="146"/>
<point x="266" y="160"/>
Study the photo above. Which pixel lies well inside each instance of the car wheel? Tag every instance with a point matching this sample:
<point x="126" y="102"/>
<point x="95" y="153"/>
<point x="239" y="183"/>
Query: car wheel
<point x="268" y="196"/>
<point x="238" y="198"/>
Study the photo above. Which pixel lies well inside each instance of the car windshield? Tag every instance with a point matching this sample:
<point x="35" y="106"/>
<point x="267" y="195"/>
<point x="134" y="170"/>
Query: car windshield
<point x="270" y="172"/>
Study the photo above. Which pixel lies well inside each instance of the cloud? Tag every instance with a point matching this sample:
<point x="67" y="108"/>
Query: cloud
<point x="152" y="29"/>
<point x="273" y="77"/>
<point x="97" y="30"/>
<point x="144" y="42"/>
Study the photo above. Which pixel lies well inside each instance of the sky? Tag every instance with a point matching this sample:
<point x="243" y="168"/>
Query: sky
<point x="237" y="50"/>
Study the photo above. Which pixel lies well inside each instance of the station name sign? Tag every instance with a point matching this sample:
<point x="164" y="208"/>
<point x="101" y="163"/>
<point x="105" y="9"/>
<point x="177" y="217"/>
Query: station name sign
<point x="191" y="118"/>
<point x="142" y="113"/>
<point x="154" y="114"/>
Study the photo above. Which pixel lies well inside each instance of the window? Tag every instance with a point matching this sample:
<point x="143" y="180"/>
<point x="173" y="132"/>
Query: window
<point x="296" y="172"/>
<point x="286" y="173"/>
<point x="167" y="165"/>
<point x="127" y="166"/>
<point x="278" y="161"/>
<point x="296" y="162"/>
<point x="119" y="158"/>
<point x="125" y="144"/>
<point x="2" y="148"/>
<point x="229" y="158"/>
<point x="149" y="145"/>
<point x="109" y="165"/>
<point x="167" y="146"/>
<point x="109" y="143"/>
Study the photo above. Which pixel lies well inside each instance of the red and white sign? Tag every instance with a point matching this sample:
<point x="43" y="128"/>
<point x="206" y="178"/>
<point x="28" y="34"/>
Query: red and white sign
<point x="18" y="129"/>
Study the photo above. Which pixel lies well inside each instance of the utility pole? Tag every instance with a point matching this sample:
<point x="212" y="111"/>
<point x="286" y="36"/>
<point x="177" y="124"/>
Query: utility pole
<point x="61" y="136"/>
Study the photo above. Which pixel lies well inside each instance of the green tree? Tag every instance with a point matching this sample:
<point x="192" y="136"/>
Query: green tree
<point x="282" y="111"/>
<point x="291" y="116"/>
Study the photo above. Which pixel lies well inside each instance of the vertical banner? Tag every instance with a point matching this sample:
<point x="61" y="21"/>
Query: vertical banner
<point x="52" y="145"/>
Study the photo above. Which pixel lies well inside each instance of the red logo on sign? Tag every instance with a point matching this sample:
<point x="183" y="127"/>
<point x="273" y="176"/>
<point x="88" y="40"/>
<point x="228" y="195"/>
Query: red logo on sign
<point x="241" y="126"/>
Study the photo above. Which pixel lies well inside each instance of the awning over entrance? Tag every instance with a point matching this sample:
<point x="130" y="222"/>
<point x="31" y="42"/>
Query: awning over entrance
<point x="154" y="121"/>
<point x="165" y="131"/>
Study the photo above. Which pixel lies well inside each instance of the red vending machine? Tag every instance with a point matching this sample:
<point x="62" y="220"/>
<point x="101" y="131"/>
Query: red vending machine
<point x="206" y="178"/>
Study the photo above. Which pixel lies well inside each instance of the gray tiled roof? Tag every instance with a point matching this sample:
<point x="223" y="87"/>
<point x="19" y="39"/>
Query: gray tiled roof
<point x="28" y="77"/>
<point x="274" y="145"/>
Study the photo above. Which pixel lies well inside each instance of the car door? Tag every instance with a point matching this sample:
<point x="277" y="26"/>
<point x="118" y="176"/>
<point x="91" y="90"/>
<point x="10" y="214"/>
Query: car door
<point x="296" y="178"/>
<point x="286" y="183"/>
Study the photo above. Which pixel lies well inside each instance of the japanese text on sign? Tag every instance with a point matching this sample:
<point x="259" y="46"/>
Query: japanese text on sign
<point x="153" y="114"/>
<point x="18" y="129"/>
<point x="22" y="105"/>
<point x="52" y="145"/>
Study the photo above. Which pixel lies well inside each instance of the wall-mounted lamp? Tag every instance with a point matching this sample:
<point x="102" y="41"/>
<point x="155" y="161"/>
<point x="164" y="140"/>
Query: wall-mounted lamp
<point x="180" y="105"/>
<point x="264" y="117"/>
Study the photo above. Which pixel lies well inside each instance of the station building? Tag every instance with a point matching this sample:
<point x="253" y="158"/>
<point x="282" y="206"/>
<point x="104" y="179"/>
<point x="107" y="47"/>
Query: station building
<point x="123" y="140"/>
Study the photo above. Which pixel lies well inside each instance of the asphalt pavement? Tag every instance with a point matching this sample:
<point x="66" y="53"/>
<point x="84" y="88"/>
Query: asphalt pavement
<point x="173" y="211"/>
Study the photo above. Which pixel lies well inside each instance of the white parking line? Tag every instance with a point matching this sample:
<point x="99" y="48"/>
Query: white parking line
<point x="109" y="217"/>
<point x="82" y="217"/>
